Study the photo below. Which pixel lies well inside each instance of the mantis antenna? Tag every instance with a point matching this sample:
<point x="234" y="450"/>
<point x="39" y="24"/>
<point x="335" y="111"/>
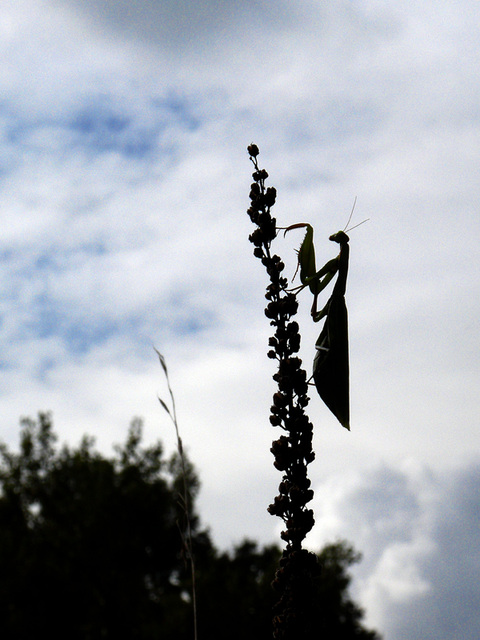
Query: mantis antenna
<point x="351" y="214"/>
<point x="350" y="217"/>
<point x="357" y="225"/>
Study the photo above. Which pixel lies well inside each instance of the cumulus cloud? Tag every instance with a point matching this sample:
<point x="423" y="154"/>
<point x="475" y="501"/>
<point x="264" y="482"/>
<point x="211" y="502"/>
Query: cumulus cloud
<point x="418" y="531"/>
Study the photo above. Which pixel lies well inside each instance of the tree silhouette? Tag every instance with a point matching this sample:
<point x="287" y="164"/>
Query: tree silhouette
<point x="88" y="545"/>
<point x="90" y="549"/>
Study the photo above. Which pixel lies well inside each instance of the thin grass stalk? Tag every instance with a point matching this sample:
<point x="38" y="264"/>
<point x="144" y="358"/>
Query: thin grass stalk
<point x="184" y="502"/>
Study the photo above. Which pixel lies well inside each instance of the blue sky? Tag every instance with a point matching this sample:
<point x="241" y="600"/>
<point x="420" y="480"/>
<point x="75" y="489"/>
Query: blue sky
<point x="124" y="180"/>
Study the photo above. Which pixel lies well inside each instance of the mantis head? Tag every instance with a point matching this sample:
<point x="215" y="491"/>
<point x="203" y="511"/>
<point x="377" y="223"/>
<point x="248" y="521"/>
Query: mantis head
<point x="340" y="237"/>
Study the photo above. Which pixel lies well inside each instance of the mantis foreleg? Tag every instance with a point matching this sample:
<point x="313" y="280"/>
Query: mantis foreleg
<point x="309" y="276"/>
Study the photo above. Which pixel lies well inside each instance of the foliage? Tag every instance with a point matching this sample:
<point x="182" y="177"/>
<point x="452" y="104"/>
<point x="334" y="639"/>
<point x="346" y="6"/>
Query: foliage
<point x="87" y="544"/>
<point x="90" y="549"/>
<point x="340" y="617"/>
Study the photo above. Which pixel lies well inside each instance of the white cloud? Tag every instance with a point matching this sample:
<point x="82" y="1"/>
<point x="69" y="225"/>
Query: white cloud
<point x="124" y="175"/>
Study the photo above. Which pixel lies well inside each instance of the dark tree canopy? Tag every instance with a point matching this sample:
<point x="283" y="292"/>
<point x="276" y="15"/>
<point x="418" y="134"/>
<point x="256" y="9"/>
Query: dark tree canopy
<point x="90" y="548"/>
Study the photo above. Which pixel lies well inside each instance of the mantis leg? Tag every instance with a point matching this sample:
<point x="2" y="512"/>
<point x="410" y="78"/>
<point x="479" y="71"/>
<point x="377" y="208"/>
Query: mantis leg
<point x="317" y="284"/>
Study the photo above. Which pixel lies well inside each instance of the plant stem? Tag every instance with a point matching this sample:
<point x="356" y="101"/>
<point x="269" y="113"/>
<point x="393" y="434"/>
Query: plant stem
<point x="293" y="450"/>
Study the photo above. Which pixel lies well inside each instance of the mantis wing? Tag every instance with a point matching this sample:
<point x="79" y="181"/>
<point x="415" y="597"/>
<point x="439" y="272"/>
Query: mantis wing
<point x="331" y="366"/>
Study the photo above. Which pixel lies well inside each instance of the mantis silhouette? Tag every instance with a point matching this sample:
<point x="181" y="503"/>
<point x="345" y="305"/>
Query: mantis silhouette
<point x="331" y="364"/>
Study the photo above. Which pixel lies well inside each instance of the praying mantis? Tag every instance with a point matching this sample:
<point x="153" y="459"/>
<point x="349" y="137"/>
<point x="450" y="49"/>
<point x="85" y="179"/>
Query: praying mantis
<point x="331" y="363"/>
